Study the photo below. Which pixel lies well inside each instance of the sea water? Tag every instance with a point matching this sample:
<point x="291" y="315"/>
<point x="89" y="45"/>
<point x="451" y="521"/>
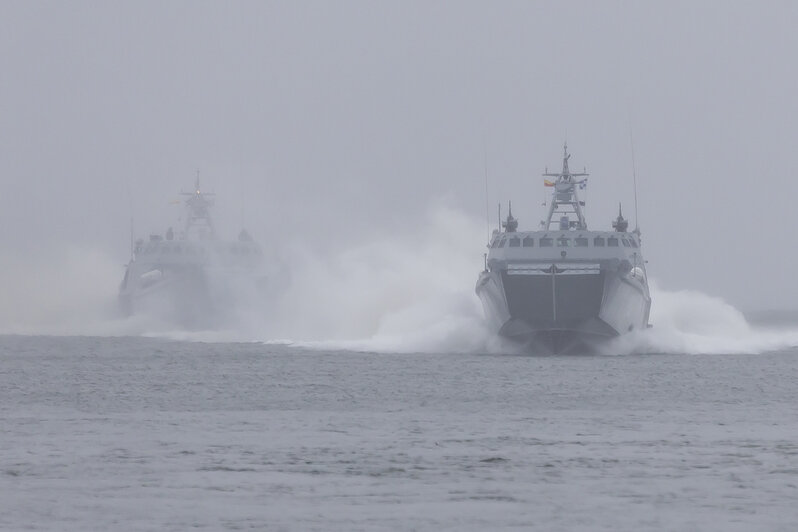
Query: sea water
<point x="370" y="396"/>
<point x="135" y="433"/>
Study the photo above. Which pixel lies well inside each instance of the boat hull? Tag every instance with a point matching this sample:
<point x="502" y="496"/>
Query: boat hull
<point x="563" y="308"/>
<point x="195" y="298"/>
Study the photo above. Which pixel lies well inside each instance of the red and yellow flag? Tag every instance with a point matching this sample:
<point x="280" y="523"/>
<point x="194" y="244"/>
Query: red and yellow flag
<point x="547" y="183"/>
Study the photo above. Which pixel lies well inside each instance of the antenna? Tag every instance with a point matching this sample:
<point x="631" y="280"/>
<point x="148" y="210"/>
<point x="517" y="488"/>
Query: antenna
<point x="130" y="208"/>
<point x="634" y="180"/>
<point x="132" y="240"/>
<point x="487" y="204"/>
<point x="241" y="188"/>
<point x="243" y="218"/>
<point x="500" y="217"/>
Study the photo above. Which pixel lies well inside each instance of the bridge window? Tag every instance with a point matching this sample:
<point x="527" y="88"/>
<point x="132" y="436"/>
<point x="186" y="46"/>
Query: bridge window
<point x="625" y="242"/>
<point x="502" y="242"/>
<point x="546" y="242"/>
<point x="580" y="242"/>
<point x="598" y="241"/>
<point x="515" y="242"/>
<point x="495" y="243"/>
<point x="529" y="242"/>
<point x="563" y="242"/>
<point x="612" y="242"/>
<point x="634" y="242"/>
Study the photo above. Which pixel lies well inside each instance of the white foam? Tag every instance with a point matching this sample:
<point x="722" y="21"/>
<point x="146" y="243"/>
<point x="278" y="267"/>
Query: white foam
<point x="691" y="322"/>
<point x="410" y="292"/>
<point x="403" y="293"/>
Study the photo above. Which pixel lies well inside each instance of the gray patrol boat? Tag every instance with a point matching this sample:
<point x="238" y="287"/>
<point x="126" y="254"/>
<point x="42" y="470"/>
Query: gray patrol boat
<point x="191" y="277"/>
<point x="564" y="288"/>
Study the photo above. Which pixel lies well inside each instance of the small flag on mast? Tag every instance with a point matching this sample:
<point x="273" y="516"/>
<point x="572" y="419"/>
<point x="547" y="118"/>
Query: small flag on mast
<point x="547" y="183"/>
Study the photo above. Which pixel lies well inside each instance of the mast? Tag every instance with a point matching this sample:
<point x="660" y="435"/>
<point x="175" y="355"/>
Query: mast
<point x="634" y="182"/>
<point x="198" y="204"/>
<point x="620" y="224"/>
<point x="565" y="199"/>
<point x="511" y="224"/>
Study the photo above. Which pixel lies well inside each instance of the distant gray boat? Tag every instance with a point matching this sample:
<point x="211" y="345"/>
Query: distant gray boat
<point x="191" y="277"/>
<point x="564" y="288"/>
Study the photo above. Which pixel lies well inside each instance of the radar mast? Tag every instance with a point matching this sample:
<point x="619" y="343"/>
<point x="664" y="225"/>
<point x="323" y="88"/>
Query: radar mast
<point x="198" y="217"/>
<point x="565" y="199"/>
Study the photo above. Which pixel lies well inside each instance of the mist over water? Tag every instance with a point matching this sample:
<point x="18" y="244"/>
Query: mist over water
<point x="65" y="291"/>
<point x="404" y="292"/>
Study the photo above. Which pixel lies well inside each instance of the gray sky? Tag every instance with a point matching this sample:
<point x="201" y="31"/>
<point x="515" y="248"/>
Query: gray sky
<point x="340" y="122"/>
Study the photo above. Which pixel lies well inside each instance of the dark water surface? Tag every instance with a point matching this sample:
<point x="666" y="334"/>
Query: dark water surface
<point x="148" y="434"/>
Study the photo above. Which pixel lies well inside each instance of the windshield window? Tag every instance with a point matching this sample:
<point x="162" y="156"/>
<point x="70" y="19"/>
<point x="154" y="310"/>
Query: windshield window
<point x="529" y="242"/>
<point x="546" y="242"/>
<point x="598" y="241"/>
<point x="580" y="242"/>
<point x="612" y="242"/>
<point x="515" y="242"/>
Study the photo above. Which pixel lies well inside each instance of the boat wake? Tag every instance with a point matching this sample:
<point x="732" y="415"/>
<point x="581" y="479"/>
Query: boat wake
<point x="411" y="292"/>
<point x="690" y="322"/>
<point x="684" y="322"/>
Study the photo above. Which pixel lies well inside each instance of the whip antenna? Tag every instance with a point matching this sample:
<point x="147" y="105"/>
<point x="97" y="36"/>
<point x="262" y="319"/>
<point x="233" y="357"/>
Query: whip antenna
<point x="487" y="205"/>
<point x="500" y="216"/>
<point x="634" y="180"/>
<point x="132" y="232"/>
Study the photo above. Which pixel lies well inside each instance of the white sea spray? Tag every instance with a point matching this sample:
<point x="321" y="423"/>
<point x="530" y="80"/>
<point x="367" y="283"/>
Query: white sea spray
<point x="408" y="291"/>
